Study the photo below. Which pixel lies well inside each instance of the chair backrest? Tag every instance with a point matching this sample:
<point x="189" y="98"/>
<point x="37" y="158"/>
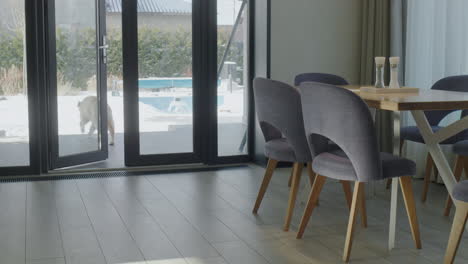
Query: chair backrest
<point x="337" y="114"/>
<point x="319" y="77"/>
<point x="452" y="83"/>
<point x="278" y="107"/>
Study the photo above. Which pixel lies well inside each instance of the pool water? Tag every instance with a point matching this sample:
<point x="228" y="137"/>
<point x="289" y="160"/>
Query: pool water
<point x="163" y="103"/>
<point x="165" y="83"/>
<point x="166" y="103"/>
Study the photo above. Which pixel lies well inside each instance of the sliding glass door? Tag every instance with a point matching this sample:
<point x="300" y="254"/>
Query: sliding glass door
<point x="160" y="86"/>
<point x="14" y="99"/>
<point x="233" y="77"/>
<point x="77" y="51"/>
<point x="185" y="81"/>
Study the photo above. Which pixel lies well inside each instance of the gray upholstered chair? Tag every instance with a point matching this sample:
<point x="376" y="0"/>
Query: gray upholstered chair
<point x="461" y="164"/>
<point x="327" y="110"/>
<point x="319" y="77"/>
<point x="278" y="107"/>
<point x="411" y="133"/>
<point x="460" y="195"/>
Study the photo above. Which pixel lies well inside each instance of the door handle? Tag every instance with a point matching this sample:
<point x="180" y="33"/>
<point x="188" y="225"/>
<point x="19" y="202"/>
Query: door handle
<point x="104" y="48"/>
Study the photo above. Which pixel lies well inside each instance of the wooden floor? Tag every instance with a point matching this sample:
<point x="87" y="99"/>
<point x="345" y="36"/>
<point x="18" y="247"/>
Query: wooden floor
<point x="202" y="218"/>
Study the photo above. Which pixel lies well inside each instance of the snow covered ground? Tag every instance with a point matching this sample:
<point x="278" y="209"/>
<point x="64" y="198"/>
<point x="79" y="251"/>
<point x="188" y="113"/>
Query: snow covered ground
<point x="14" y="114"/>
<point x="14" y="119"/>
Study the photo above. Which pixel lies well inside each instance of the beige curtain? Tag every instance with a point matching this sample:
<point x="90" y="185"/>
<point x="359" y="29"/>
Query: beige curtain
<point x="376" y="42"/>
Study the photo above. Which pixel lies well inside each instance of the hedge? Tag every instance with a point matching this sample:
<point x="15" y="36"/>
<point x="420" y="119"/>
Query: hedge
<point x="161" y="53"/>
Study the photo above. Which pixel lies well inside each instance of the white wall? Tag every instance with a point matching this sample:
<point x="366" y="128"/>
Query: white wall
<point x="315" y="36"/>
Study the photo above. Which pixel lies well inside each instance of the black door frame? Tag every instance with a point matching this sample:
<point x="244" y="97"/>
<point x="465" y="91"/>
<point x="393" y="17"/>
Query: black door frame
<point x="37" y="28"/>
<point x="214" y="158"/>
<point x="130" y="74"/>
<point x="55" y="160"/>
<point x="205" y="118"/>
<point x="34" y="85"/>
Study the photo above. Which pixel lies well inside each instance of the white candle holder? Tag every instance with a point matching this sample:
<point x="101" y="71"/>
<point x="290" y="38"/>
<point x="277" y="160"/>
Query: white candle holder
<point x="394" y="63"/>
<point x="379" y="72"/>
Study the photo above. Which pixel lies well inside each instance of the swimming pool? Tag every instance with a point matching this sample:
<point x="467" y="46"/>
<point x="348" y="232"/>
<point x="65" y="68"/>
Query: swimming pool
<point x="163" y="103"/>
<point x="158" y="83"/>
<point x="165" y="83"/>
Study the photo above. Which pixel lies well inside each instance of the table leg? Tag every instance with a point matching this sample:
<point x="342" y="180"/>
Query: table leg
<point x="434" y="148"/>
<point x="432" y="141"/>
<point x="371" y="189"/>
<point x="394" y="196"/>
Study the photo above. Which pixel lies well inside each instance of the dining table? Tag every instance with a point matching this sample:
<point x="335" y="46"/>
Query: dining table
<point x="417" y="103"/>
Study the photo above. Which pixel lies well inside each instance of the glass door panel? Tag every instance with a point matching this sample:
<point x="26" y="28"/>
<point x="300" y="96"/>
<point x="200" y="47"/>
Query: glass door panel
<point x="78" y="101"/>
<point x="177" y="82"/>
<point x="14" y="110"/>
<point x="165" y="87"/>
<point x="232" y="77"/>
<point x="160" y="82"/>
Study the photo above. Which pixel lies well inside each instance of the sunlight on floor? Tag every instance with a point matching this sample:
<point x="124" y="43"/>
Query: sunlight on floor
<point x="176" y="261"/>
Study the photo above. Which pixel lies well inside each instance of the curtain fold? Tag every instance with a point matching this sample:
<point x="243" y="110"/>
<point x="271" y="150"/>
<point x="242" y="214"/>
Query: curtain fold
<point x="436" y="47"/>
<point x="376" y="42"/>
<point x="398" y="34"/>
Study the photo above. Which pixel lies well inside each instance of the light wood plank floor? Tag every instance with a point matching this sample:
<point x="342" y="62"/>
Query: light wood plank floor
<point x="203" y="218"/>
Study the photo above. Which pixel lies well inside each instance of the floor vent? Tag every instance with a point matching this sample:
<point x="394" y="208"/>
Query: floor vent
<point x="72" y="176"/>
<point x="108" y="174"/>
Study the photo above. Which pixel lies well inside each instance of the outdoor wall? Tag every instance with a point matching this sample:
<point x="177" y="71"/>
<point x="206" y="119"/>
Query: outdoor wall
<point x="166" y="22"/>
<point x="315" y="36"/>
<point x="75" y="13"/>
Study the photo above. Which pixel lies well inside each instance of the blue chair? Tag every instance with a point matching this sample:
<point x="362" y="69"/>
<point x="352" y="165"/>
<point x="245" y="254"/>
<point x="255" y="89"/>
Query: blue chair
<point x="460" y="194"/>
<point x="411" y="133"/>
<point x="279" y="112"/>
<point x="319" y="77"/>
<point x="327" y="110"/>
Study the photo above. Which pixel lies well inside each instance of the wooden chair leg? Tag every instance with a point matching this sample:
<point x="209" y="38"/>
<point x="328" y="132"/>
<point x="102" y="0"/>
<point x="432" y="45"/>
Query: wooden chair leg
<point x="313" y="198"/>
<point x="271" y="166"/>
<point x="311" y="173"/>
<point x="297" y="169"/>
<point x="408" y="196"/>
<point x="352" y="219"/>
<point x="291" y="177"/>
<point x="458" y="226"/>
<point x="347" y="191"/>
<point x="362" y="207"/>
<point x="389" y="181"/>
<point x="362" y="203"/>
<point x="427" y="176"/>
<point x="388" y="184"/>
<point x="457" y="172"/>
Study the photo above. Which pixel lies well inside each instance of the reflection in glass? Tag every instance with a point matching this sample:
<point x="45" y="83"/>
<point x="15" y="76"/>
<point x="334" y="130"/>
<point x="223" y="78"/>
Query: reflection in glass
<point x="165" y="77"/>
<point x="232" y="77"/>
<point x="76" y="51"/>
<point x="14" y="126"/>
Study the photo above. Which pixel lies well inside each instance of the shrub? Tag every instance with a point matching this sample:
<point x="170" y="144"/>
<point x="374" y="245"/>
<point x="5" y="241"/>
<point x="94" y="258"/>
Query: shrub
<point x="11" y="81"/>
<point x="64" y="87"/>
<point x="11" y="49"/>
<point x="161" y="54"/>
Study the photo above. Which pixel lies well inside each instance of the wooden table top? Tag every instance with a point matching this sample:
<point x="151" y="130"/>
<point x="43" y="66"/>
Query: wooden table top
<point x="426" y="99"/>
